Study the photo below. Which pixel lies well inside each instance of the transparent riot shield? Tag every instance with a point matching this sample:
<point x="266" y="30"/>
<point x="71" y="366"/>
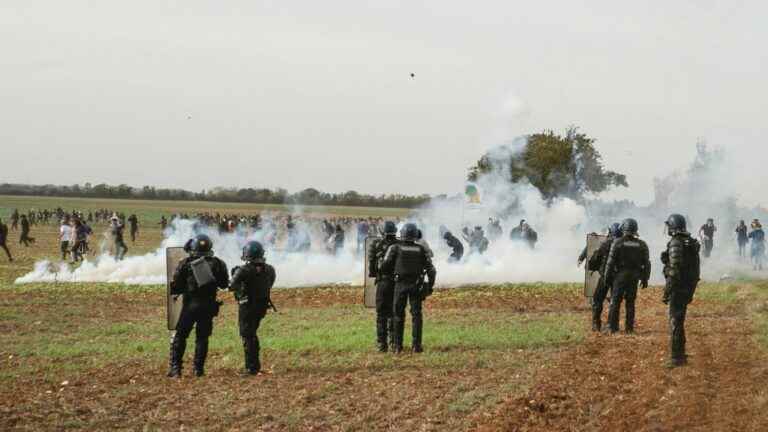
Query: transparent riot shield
<point x="173" y="256"/>
<point x="591" y="278"/>
<point x="369" y="283"/>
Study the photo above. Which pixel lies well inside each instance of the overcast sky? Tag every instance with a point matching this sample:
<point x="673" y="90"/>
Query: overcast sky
<point x="318" y="94"/>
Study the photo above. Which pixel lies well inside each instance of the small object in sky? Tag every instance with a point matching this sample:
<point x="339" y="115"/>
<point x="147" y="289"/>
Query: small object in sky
<point x="413" y="75"/>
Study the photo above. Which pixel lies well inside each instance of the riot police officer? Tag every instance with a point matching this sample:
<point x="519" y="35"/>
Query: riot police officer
<point x="682" y="268"/>
<point x="628" y="264"/>
<point x="197" y="277"/>
<point x="251" y="284"/>
<point x="597" y="262"/>
<point x="409" y="262"/>
<point x="385" y="285"/>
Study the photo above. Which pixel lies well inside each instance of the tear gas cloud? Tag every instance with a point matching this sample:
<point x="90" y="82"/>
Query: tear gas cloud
<point x="698" y="192"/>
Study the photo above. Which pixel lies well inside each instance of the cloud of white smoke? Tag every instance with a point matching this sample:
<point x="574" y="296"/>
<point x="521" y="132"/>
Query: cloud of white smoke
<point x="294" y="269"/>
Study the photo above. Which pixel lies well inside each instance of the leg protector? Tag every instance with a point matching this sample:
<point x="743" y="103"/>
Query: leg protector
<point x="629" y="322"/>
<point x="178" y="346"/>
<point x="251" y="351"/>
<point x="417" y="322"/>
<point x="201" y="353"/>
<point x="597" y="312"/>
<point x="382" y="330"/>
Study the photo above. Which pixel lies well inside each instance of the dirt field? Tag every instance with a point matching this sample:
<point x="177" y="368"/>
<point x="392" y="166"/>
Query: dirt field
<point x="506" y="357"/>
<point x="93" y="357"/>
<point x="620" y="383"/>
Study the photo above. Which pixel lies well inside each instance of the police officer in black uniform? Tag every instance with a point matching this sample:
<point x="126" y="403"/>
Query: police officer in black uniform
<point x="251" y="284"/>
<point x="597" y="262"/>
<point x="409" y="262"/>
<point x="628" y="264"/>
<point x="385" y="285"/>
<point x="682" y="269"/>
<point x="197" y="277"/>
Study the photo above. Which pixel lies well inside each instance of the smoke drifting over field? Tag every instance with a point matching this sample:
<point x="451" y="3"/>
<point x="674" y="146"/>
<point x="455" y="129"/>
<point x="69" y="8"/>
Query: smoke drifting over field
<point x="294" y="269"/>
<point x="698" y="192"/>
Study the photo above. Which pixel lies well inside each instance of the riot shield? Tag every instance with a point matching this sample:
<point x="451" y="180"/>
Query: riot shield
<point x="591" y="278"/>
<point x="369" y="283"/>
<point x="173" y="256"/>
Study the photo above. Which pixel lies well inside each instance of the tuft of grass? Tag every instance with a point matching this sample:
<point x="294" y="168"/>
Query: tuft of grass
<point x="752" y="295"/>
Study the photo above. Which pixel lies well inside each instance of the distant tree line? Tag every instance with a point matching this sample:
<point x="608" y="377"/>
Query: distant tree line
<point x="308" y="196"/>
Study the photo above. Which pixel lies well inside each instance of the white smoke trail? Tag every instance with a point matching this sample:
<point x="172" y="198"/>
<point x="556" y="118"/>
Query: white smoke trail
<point x="294" y="269"/>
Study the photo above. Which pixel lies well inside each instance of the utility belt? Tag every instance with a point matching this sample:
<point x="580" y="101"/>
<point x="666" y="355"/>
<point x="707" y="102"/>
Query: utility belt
<point x="408" y="278"/>
<point x="206" y="301"/>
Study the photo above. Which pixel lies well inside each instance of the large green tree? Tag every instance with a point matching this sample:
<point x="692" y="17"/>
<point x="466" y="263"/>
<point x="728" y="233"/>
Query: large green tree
<point x="558" y="166"/>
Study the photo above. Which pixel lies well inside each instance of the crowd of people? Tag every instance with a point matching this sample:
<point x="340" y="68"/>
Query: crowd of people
<point x="299" y="233"/>
<point x="75" y="229"/>
<point x="754" y="236"/>
<point x="289" y="232"/>
<point x="399" y="262"/>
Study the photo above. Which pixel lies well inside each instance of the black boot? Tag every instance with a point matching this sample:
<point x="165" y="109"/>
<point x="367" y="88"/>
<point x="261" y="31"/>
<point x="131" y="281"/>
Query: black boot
<point x="677" y="342"/>
<point x="399" y="329"/>
<point x="381" y="333"/>
<point x="201" y="352"/>
<point x="597" y="312"/>
<point x="613" y="318"/>
<point x="629" y="320"/>
<point x="416" y="335"/>
<point x="178" y="346"/>
<point x="251" y="350"/>
<point x="677" y="357"/>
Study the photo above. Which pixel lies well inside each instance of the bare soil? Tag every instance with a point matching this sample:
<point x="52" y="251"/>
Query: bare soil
<point x="618" y="383"/>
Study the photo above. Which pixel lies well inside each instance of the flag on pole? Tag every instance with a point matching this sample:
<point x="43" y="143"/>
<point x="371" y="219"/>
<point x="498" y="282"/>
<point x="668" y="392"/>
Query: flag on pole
<point x="473" y="193"/>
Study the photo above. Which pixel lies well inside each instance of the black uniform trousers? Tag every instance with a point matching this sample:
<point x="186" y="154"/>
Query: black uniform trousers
<point x="385" y="291"/>
<point x="624" y="288"/>
<point x="598" y="299"/>
<point x="198" y="314"/>
<point x="249" y="318"/>
<point x="407" y="292"/>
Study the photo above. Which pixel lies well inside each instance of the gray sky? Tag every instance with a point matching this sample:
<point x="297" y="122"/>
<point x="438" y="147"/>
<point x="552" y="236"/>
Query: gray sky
<point x="318" y="94"/>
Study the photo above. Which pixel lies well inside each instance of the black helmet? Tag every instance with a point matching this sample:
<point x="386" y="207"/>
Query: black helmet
<point x="253" y="250"/>
<point x="614" y="230"/>
<point x="390" y="229"/>
<point x="675" y="223"/>
<point x="201" y="245"/>
<point x="410" y="232"/>
<point x="629" y="226"/>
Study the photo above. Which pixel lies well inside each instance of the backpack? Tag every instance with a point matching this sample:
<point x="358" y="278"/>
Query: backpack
<point x="692" y="268"/>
